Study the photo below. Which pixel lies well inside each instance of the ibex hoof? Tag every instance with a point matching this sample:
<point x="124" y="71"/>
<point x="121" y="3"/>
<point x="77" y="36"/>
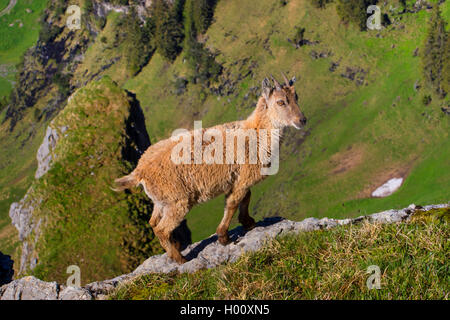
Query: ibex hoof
<point x="249" y="225"/>
<point x="177" y="245"/>
<point x="224" y="240"/>
<point x="180" y="260"/>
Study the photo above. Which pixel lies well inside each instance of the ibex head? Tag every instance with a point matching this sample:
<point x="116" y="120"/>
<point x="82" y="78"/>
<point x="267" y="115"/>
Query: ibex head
<point x="282" y="103"/>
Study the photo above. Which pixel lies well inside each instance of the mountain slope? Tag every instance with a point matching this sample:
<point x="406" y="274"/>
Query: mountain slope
<point x="75" y="217"/>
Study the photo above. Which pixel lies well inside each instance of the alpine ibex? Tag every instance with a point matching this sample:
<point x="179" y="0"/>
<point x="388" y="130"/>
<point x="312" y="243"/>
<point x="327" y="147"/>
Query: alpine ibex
<point x="176" y="187"/>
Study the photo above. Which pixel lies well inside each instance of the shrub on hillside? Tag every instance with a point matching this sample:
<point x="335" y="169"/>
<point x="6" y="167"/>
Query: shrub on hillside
<point x="299" y="35"/>
<point x="139" y="41"/>
<point x="320" y="3"/>
<point x="48" y="31"/>
<point x="62" y="81"/>
<point x="203" y="63"/>
<point x="3" y="102"/>
<point x="200" y="59"/>
<point x="136" y="40"/>
<point x="168" y="28"/>
<point x="436" y="54"/>
<point x="426" y="100"/>
<point x="202" y="14"/>
<point x="354" y="11"/>
<point x="118" y="2"/>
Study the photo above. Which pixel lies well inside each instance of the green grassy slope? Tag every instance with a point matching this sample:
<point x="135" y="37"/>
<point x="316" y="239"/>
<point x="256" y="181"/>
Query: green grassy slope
<point x="17" y="168"/>
<point x="359" y="136"/>
<point x="19" y="30"/>
<point x="3" y="4"/>
<point x="19" y="146"/>
<point x="85" y="222"/>
<point x="326" y="264"/>
<point x="105" y="51"/>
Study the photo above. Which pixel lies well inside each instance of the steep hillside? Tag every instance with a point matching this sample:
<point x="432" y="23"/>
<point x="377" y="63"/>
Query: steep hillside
<point x="70" y="215"/>
<point x="40" y="52"/>
<point x="19" y="28"/>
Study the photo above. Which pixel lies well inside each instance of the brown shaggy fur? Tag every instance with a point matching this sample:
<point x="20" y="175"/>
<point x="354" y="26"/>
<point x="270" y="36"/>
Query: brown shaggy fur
<point x="176" y="188"/>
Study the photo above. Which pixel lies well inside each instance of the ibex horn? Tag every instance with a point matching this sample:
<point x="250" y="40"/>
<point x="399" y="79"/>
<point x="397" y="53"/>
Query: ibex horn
<point x="277" y="84"/>
<point x="286" y="81"/>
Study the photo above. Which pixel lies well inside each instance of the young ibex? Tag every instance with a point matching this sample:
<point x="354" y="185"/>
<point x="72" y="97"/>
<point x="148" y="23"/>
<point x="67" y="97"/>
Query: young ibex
<point x="175" y="188"/>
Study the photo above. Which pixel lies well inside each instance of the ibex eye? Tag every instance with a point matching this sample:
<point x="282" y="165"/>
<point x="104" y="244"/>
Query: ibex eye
<point x="280" y="103"/>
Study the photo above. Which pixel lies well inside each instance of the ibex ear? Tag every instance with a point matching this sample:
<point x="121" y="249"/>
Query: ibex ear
<point x="292" y="81"/>
<point x="266" y="89"/>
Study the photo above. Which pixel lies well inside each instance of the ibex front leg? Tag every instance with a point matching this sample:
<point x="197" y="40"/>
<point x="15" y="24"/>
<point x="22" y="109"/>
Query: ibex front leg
<point x="244" y="218"/>
<point x="232" y="202"/>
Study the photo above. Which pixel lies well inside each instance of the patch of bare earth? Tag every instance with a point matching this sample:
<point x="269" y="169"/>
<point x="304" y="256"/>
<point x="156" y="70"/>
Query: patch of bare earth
<point x="7" y="232"/>
<point x="347" y="160"/>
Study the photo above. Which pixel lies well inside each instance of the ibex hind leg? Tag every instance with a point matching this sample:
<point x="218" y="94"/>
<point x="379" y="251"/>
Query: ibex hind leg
<point x="172" y="216"/>
<point x="156" y="215"/>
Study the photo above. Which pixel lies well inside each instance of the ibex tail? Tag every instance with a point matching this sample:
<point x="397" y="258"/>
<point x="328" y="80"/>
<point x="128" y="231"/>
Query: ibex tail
<point x="125" y="182"/>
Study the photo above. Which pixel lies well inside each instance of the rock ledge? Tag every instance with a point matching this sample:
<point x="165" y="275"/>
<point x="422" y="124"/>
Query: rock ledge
<point x="207" y="253"/>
